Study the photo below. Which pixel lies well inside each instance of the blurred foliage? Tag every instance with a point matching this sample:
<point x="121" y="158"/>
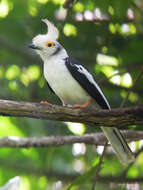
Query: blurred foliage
<point x="106" y="36"/>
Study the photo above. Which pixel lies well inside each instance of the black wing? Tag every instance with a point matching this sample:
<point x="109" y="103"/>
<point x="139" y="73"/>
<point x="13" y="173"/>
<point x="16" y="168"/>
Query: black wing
<point x="86" y="80"/>
<point x="50" y="87"/>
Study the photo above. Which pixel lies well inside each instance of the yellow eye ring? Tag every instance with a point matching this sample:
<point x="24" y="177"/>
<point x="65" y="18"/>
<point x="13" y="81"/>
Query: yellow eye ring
<point x="50" y="44"/>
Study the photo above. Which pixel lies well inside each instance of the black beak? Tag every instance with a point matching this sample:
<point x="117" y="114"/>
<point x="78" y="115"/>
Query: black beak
<point x="32" y="46"/>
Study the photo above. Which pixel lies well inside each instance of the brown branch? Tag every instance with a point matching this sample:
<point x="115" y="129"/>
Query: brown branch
<point x="99" y="167"/>
<point x="116" y="87"/>
<point x="110" y="118"/>
<point x="68" y="4"/>
<point x="102" y="155"/>
<point x="122" y="105"/>
<point x="92" y="139"/>
<point x="120" y="179"/>
<point x="102" y="18"/>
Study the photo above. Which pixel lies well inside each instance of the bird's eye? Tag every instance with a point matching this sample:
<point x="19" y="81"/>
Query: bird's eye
<point x="50" y="44"/>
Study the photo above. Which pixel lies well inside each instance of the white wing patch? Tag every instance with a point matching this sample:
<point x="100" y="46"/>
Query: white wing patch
<point x="90" y="78"/>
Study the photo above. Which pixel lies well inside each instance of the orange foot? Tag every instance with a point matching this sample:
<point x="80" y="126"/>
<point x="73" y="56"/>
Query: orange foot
<point x="83" y="105"/>
<point x="45" y="102"/>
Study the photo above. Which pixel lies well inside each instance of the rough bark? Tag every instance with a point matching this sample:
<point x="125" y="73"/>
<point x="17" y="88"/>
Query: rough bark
<point x="95" y="139"/>
<point x="115" y="117"/>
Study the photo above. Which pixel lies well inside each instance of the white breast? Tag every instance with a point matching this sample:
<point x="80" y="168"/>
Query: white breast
<point x="63" y="84"/>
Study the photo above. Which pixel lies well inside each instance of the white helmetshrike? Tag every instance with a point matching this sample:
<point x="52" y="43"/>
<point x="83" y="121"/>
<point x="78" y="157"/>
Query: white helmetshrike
<point x="74" y="84"/>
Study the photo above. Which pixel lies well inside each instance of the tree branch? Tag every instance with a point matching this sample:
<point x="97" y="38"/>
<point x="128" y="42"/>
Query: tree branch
<point x="115" y="87"/>
<point x="121" y="106"/>
<point x="110" y="118"/>
<point x="120" y="179"/>
<point x="134" y="84"/>
<point x="96" y="139"/>
<point x="98" y="168"/>
<point x="68" y="4"/>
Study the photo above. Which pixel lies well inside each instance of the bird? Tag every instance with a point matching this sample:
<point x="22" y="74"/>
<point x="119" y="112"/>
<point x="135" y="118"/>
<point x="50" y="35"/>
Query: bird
<point x="75" y="85"/>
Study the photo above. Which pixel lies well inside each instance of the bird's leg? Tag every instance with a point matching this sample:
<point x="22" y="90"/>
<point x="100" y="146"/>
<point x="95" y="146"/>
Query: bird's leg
<point x="83" y="105"/>
<point x="45" y="102"/>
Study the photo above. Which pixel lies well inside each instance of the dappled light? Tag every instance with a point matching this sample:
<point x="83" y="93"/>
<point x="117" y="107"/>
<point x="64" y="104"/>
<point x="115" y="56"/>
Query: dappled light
<point x="60" y="2"/>
<point x="57" y="185"/>
<point x="78" y="149"/>
<point x="33" y="10"/>
<point x="61" y="14"/>
<point x="126" y="80"/>
<point x="30" y="74"/>
<point x="13" y="85"/>
<point x="76" y="128"/>
<point x="9" y="128"/>
<point x="12" y="72"/>
<point x="25" y="183"/>
<point x="124" y="29"/>
<point x="100" y="149"/>
<point x="107" y="60"/>
<point x="88" y="15"/>
<point x="42" y="181"/>
<point x="33" y="72"/>
<point x="4" y="8"/>
<point x="70" y="30"/>
<point x="79" y="165"/>
<point x="78" y="7"/>
<point x="42" y="1"/>
<point x="130" y="13"/>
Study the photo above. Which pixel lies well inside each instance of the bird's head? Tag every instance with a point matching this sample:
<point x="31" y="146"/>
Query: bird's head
<point x="46" y="44"/>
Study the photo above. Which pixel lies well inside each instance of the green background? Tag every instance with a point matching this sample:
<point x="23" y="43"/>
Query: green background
<point x="106" y="47"/>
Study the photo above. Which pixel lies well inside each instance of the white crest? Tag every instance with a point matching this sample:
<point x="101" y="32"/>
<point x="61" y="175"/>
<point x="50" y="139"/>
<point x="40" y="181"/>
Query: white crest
<point x="52" y="30"/>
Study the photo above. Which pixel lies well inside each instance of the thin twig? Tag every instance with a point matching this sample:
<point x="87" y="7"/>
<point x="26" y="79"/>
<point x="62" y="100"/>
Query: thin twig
<point x="68" y="4"/>
<point x="101" y="158"/>
<point x="131" y="164"/>
<point x="116" y="87"/>
<point x="122" y="105"/>
<point x="130" y="70"/>
<point x="134" y="84"/>
<point x="99" y="166"/>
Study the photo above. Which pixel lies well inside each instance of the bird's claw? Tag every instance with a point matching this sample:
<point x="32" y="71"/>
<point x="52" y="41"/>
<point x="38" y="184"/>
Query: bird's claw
<point x="83" y="105"/>
<point x="45" y="103"/>
<point x="76" y="106"/>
